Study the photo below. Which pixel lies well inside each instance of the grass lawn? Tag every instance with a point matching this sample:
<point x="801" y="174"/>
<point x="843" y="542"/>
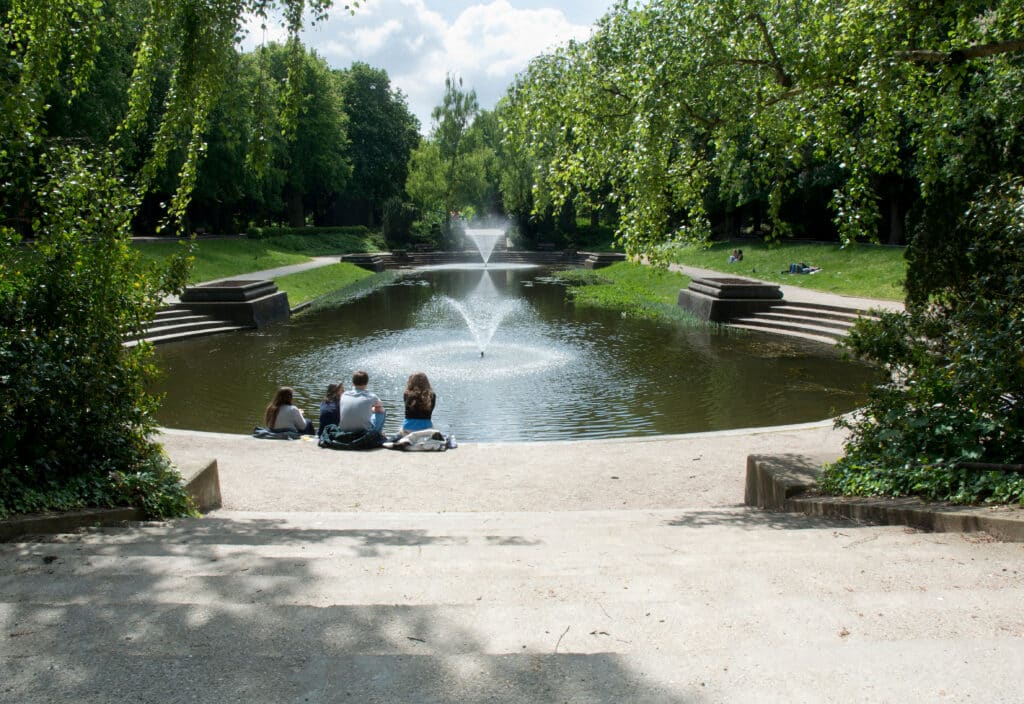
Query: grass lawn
<point x="871" y="271"/>
<point x="637" y="290"/>
<point x="219" y="259"/>
<point x="314" y="283"/>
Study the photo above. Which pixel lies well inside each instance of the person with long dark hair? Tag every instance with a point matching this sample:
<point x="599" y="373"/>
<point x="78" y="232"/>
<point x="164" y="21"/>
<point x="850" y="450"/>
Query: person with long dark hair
<point x="281" y="416"/>
<point x="330" y="407"/>
<point x="420" y="400"/>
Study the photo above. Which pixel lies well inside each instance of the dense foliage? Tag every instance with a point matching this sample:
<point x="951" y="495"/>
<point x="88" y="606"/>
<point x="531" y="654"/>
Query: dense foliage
<point x="75" y="415"/>
<point x="953" y="411"/>
<point x="903" y="118"/>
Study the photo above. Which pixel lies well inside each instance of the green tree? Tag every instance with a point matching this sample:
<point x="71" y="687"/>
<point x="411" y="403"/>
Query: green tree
<point x="75" y="415"/>
<point x="382" y="134"/>
<point x="455" y="168"/>
<point x="313" y="156"/>
<point x="688" y="109"/>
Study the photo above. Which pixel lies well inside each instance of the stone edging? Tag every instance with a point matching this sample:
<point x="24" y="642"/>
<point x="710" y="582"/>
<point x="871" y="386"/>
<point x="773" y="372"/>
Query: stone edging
<point x="201" y="481"/>
<point x="783" y="483"/>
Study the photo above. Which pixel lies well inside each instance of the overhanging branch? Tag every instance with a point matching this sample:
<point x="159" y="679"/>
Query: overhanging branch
<point x="958" y="56"/>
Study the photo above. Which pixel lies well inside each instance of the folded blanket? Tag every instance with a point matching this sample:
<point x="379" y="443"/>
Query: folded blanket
<point x="267" y="434"/>
<point x="428" y="440"/>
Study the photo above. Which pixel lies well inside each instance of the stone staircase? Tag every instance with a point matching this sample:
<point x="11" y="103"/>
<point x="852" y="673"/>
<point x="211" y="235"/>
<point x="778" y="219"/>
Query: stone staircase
<point x="643" y="606"/>
<point x="812" y="321"/>
<point x="176" y="323"/>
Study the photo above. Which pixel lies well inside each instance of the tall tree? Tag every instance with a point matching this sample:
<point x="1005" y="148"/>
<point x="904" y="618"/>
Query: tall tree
<point x="452" y="119"/>
<point x="382" y="134"/>
<point x="448" y="172"/>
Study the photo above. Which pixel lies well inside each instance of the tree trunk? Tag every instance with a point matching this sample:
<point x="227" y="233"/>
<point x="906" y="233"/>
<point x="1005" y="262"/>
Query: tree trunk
<point x="296" y="215"/>
<point x="896" y="234"/>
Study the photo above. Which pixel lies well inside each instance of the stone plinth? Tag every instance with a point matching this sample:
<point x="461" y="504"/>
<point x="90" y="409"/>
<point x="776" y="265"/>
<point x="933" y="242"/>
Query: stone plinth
<point x="251" y="303"/>
<point x="720" y="298"/>
<point x="372" y="262"/>
<point x="599" y="260"/>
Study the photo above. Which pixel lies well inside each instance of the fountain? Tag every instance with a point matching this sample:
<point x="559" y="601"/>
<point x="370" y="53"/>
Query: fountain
<point x="485" y="239"/>
<point x="551" y="370"/>
<point x="483" y="311"/>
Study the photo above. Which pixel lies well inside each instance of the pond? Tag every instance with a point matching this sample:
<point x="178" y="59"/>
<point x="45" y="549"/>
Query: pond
<point x="511" y="359"/>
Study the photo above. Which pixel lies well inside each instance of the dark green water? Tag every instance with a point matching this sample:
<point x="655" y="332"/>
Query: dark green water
<point x="551" y="371"/>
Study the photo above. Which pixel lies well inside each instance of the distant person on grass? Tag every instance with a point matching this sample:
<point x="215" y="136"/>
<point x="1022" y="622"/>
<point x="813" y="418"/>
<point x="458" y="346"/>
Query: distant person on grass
<point x="282" y="417"/>
<point x="360" y="409"/>
<point x="803" y="268"/>
<point x="736" y="256"/>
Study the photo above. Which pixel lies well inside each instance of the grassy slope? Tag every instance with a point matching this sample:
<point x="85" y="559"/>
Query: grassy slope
<point x="871" y="271"/>
<point x="218" y="259"/>
<point x="314" y="283"/>
<point x="636" y="290"/>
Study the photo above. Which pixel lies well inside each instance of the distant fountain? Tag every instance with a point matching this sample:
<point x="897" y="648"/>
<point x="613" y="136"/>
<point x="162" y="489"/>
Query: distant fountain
<point x="485" y="239"/>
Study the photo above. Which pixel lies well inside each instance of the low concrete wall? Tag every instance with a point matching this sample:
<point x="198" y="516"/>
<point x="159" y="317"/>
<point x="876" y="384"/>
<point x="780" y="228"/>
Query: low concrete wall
<point x="68" y="522"/>
<point x="202" y="482"/>
<point x="783" y="483"/>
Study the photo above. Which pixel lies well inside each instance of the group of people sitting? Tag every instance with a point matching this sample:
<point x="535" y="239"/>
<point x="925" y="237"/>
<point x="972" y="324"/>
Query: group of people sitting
<point x="354" y="417"/>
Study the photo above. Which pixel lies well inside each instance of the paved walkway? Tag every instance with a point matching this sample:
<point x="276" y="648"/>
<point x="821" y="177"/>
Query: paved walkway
<point x="314" y="263"/>
<point x="590" y="573"/>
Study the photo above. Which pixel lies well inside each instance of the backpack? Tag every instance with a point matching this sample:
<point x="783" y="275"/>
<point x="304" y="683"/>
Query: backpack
<point x="334" y="438"/>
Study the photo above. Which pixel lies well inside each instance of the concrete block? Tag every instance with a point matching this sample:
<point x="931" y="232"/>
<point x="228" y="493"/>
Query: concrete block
<point x="203" y="484"/>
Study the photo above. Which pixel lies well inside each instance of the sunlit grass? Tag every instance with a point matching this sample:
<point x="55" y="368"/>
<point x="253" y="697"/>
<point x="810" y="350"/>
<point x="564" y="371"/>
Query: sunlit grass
<point x="220" y="259"/>
<point x="870" y="271"/>
<point x="314" y="283"/>
<point x="636" y="290"/>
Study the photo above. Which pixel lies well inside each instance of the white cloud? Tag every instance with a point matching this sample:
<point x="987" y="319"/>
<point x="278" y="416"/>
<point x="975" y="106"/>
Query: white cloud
<point x="418" y="42"/>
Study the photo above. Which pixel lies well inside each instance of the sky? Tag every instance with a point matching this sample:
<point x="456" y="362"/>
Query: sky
<point x="419" y="42"/>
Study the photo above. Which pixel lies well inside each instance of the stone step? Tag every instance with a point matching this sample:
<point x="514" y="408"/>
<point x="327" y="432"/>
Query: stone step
<point x="178" y="323"/>
<point x="213" y="329"/>
<point x="659" y="606"/>
<point x="826" y="310"/>
<point x="797" y="318"/>
<point x="807" y="331"/>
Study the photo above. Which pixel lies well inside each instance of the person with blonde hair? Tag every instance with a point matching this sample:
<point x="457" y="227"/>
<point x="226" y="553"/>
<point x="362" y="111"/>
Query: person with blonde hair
<point x="282" y="416"/>
<point x="420" y="400"/>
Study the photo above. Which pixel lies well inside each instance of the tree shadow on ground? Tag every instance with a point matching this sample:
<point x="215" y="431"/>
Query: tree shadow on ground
<point x="222" y="611"/>
<point x="745" y="517"/>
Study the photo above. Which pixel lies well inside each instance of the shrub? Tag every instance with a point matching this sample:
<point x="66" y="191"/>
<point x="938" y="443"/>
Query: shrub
<point x="396" y="224"/>
<point x="75" y="416"/>
<point x="956" y="393"/>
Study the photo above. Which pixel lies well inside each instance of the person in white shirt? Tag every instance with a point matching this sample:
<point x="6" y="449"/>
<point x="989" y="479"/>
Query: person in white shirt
<point x="360" y="409"/>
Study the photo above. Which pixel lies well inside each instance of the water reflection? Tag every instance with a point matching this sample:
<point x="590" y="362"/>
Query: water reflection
<point x="549" y="370"/>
